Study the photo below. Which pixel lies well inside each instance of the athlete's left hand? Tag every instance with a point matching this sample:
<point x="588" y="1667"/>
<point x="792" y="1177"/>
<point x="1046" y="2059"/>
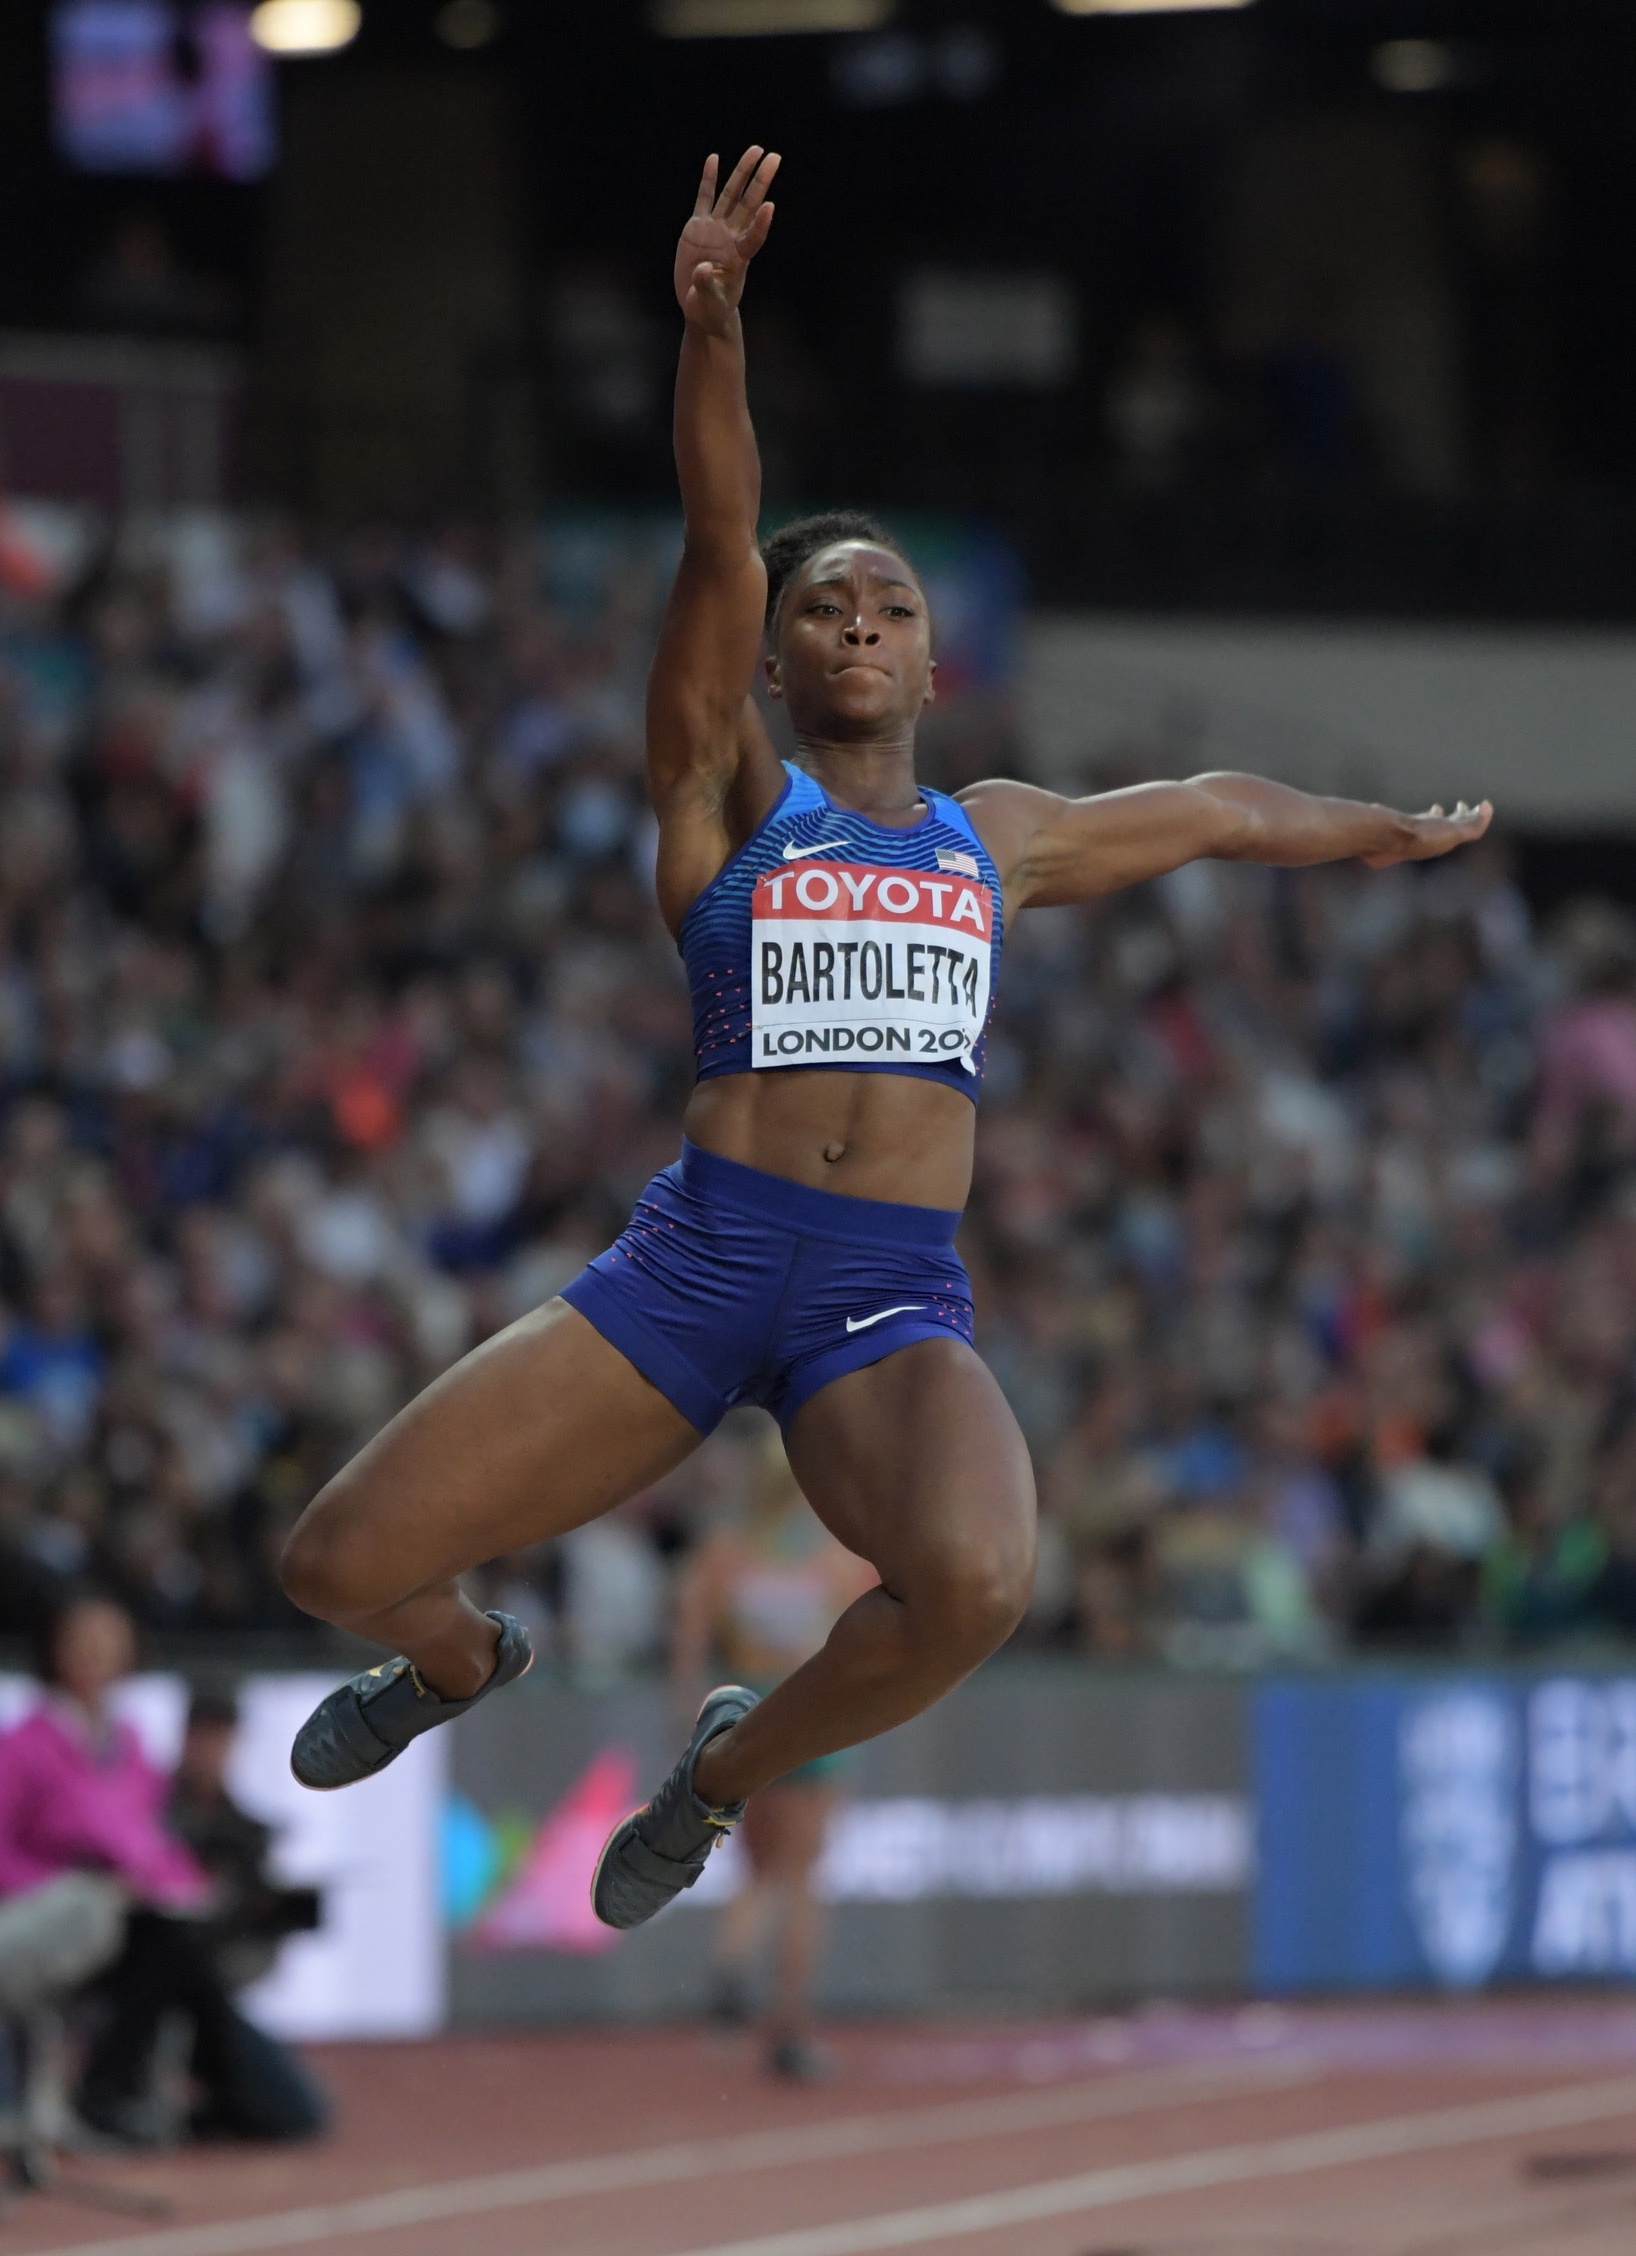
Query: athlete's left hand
<point x="1423" y="837"/>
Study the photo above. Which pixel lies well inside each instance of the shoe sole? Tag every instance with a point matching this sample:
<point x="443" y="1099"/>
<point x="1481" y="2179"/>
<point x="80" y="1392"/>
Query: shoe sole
<point x="608" y="1847"/>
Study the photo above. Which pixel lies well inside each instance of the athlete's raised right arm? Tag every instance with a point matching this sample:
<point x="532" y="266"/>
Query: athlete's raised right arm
<point x="711" y="772"/>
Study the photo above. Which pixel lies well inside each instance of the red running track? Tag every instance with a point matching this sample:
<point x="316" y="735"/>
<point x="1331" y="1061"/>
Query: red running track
<point x="1476" y="2130"/>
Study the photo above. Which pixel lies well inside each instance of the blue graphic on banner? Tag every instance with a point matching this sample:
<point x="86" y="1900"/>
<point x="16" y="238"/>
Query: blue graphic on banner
<point x="1452" y="1831"/>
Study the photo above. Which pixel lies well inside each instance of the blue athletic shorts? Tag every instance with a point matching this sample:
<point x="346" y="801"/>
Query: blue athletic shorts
<point x="731" y="1285"/>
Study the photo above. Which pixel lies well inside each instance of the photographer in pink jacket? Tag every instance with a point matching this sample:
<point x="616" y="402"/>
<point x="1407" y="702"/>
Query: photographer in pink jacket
<point x="93" y="1884"/>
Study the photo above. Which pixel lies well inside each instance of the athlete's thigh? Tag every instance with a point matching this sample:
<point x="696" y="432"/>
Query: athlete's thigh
<point x="540" y="1429"/>
<point x="917" y="1460"/>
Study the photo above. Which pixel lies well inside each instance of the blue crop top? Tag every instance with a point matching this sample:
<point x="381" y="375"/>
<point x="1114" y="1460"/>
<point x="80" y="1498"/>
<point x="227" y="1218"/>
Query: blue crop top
<point x="832" y="940"/>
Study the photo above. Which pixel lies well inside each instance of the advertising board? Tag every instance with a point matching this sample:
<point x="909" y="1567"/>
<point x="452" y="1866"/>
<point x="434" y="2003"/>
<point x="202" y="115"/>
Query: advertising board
<point x="1043" y="1839"/>
<point x="1454" y="1830"/>
<point x="1048" y="1839"/>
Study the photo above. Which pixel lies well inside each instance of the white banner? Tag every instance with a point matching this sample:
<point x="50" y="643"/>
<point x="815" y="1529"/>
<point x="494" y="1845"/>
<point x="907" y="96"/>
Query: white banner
<point x="910" y="1848"/>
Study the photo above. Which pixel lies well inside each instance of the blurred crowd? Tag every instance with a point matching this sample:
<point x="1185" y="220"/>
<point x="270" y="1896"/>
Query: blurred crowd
<point x="337" y="1028"/>
<point x="1306" y="1231"/>
<point x="336" y="1024"/>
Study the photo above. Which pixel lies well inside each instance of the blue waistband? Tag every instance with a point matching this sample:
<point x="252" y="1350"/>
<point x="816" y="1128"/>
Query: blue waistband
<point x="832" y="1213"/>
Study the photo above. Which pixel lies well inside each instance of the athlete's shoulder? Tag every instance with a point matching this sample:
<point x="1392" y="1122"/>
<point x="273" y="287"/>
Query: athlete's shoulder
<point x="1001" y="797"/>
<point x="1007" y="816"/>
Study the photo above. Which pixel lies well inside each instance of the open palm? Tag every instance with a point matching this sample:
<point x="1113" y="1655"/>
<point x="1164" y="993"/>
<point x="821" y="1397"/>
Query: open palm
<point x="728" y="227"/>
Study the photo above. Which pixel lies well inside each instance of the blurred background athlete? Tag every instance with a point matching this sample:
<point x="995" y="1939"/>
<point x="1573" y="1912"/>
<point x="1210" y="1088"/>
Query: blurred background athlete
<point x="841" y="926"/>
<point x="761" y="1594"/>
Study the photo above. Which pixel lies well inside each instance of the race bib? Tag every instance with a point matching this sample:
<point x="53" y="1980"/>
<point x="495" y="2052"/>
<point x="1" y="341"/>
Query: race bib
<point x="853" y="962"/>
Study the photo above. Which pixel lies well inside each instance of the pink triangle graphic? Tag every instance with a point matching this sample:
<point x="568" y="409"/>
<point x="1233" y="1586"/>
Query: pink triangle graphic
<point x="546" y="1905"/>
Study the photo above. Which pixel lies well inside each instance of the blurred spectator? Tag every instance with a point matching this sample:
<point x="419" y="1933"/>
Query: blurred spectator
<point x="1586" y="1111"/>
<point x="1433" y="1526"/>
<point x="78" y="1795"/>
<point x="760" y="1594"/>
<point x="613" y="1597"/>
<point x="1549" y="1576"/>
<point x="250" y="1914"/>
<point x="1104" y="1491"/>
<point x="51" y="1359"/>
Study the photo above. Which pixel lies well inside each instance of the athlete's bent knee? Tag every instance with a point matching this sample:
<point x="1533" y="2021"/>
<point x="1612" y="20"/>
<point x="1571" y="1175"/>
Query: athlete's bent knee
<point x="973" y="1598"/>
<point x="305" y="1574"/>
<point x="327" y="1571"/>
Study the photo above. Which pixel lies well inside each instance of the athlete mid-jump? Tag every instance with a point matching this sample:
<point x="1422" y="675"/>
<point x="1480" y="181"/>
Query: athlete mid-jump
<point x="841" y="926"/>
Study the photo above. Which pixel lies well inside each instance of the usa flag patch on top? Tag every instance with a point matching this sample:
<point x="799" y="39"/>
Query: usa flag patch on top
<point x="965" y="864"/>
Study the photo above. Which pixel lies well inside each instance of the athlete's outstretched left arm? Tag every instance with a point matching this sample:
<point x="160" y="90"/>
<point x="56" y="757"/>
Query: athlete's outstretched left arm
<point x="1049" y="849"/>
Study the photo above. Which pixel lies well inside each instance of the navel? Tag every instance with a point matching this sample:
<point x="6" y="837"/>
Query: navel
<point x="835" y="1150"/>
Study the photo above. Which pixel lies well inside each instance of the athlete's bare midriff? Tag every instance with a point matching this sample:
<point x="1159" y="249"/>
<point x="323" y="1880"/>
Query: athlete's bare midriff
<point x="866" y="1135"/>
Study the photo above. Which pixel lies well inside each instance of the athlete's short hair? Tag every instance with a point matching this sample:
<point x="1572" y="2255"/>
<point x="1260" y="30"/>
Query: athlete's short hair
<point x="795" y="543"/>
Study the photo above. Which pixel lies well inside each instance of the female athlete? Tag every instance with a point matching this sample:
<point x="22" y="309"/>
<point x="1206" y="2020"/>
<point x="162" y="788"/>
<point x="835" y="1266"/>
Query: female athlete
<point x="841" y="927"/>
<point x="764" y="1591"/>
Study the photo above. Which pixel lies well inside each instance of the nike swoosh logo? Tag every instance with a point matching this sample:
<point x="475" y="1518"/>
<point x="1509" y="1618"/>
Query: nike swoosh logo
<point x="794" y="853"/>
<point x="862" y="1323"/>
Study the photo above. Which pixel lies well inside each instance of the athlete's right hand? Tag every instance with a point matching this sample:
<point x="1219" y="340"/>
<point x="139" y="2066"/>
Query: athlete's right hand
<point x="726" y="231"/>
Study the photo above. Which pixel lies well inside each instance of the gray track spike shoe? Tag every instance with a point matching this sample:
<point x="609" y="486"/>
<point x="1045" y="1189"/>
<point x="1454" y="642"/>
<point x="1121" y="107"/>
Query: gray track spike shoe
<point x="654" y="1855"/>
<point x="366" y="1723"/>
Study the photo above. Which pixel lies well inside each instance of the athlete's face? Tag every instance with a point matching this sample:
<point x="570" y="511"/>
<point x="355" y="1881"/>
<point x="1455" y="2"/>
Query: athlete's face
<point x="854" y="643"/>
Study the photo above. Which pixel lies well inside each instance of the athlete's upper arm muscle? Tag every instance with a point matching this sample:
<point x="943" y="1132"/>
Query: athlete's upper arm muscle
<point x="1050" y="849"/>
<point x="702" y="672"/>
<point x="712" y="772"/>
